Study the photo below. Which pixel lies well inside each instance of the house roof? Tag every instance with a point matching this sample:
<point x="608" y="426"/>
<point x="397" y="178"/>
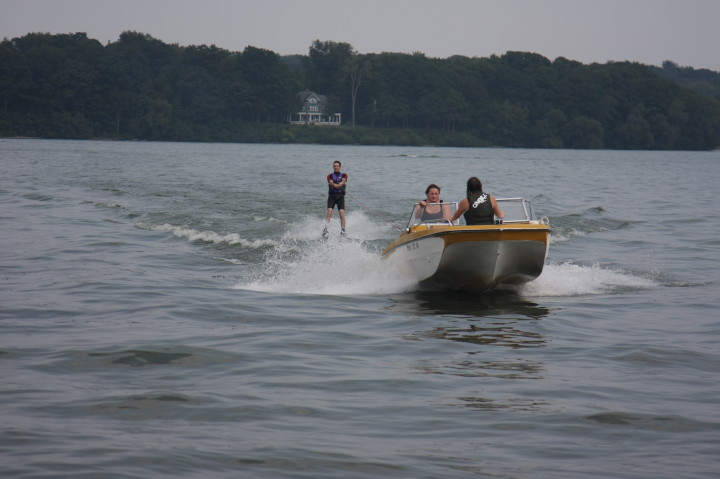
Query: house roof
<point x="305" y="94"/>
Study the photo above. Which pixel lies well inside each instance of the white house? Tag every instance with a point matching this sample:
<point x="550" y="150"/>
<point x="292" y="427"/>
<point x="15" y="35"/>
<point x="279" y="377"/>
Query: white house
<point x="313" y="111"/>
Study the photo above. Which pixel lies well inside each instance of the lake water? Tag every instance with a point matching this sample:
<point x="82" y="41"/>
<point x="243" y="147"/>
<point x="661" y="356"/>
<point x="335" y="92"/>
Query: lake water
<point x="168" y="310"/>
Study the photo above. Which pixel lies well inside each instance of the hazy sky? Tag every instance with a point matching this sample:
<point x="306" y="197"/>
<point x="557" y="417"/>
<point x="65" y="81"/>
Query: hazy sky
<point x="647" y="31"/>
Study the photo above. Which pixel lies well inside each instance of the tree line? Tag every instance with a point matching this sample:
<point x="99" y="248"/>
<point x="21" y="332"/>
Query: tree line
<point x="72" y="86"/>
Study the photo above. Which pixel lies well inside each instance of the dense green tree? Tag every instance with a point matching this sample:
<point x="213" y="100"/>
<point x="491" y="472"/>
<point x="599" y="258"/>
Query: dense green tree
<point x="137" y="73"/>
<point x="583" y="132"/>
<point x="703" y="81"/>
<point x="71" y="86"/>
<point x="272" y="87"/>
<point x="328" y="61"/>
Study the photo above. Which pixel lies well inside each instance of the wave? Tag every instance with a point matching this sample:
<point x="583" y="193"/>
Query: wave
<point x="573" y="225"/>
<point x="360" y="227"/>
<point x="410" y="155"/>
<point x="568" y="279"/>
<point x="307" y="228"/>
<point x="266" y="219"/>
<point x="193" y="235"/>
<point x="338" y="266"/>
<point x="353" y="265"/>
<point x="301" y="262"/>
<point x="101" y="205"/>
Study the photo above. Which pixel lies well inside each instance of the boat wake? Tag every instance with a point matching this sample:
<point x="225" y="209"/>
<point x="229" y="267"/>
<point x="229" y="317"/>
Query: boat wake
<point x="569" y="279"/>
<point x="360" y="227"/>
<point x="568" y="227"/>
<point x="192" y="235"/>
<point x="338" y="266"/>
<point x="301" y="262"/>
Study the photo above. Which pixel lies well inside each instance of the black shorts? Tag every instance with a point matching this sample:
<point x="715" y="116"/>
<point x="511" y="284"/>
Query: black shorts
<point x="336" y="199"/>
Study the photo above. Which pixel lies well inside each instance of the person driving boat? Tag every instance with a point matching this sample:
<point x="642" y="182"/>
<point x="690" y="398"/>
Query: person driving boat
<point x="479" y="208"/>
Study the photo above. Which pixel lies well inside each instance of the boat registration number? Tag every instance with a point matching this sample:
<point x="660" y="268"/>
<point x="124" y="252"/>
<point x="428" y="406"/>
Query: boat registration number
<point x="412" y="246"/>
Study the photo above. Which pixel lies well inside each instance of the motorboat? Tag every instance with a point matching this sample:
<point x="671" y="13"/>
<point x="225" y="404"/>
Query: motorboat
<point x="438" y="253"/>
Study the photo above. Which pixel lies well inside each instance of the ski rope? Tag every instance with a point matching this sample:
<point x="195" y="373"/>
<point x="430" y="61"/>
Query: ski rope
<point x="372" y="212"/>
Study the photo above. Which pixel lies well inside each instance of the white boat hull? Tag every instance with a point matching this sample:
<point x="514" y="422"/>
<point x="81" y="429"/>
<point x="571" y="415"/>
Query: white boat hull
<point x="471" y="258"/>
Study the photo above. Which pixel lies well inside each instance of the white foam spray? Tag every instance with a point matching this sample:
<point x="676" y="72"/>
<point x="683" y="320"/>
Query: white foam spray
<point x="359" y="226"/>
<point x="336" y="266"/>
<point x="569" y="279"/>
<point x="301" y="262"/>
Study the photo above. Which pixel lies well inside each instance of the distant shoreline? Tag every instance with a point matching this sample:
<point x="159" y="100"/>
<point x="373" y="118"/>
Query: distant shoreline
<point x="414" y="145"/>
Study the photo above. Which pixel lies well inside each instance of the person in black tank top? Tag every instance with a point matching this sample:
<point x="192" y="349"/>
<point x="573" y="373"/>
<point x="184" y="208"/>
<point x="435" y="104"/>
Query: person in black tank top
<point x="479" y="208"/>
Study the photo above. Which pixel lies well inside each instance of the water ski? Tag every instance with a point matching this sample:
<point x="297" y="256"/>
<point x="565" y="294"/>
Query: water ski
<point x="326" y="233"/>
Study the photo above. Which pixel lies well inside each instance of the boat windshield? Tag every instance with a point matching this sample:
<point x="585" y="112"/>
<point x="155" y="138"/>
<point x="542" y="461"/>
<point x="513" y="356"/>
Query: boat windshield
<point x="517" y="210"/>
<point x="433" y="214"/>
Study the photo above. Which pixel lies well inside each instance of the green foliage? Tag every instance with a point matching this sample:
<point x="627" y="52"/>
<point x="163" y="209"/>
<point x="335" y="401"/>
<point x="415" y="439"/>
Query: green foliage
<point x="70" y="86"/>
<point x="703" y="81"/>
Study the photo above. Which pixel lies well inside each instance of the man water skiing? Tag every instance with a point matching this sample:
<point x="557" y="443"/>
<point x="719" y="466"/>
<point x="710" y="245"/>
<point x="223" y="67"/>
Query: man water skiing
<point x="336" y="196"/>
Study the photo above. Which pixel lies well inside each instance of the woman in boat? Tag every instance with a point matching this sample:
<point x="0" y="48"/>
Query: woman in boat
<point x="430" y="211"/>
<point x="479" y="208"/>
